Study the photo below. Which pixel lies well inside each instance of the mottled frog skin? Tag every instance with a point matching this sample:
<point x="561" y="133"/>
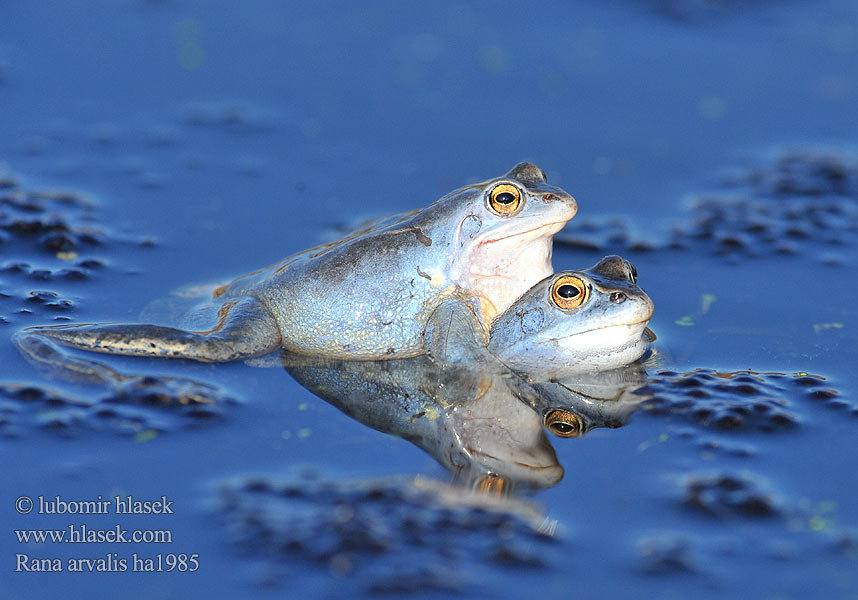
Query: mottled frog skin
<point x="370" y="295"/>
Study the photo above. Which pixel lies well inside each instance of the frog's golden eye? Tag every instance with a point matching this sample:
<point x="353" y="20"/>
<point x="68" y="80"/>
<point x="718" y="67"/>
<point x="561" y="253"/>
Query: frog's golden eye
<point x="633" y="273"/>
<point x="504" y="199"/>
<point x="563" y="423"/>
<point x="569" y="292"/>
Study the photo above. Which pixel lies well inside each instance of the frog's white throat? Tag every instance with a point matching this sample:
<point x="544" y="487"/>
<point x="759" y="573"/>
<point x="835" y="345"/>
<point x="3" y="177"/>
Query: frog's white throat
<point x="500" y="268"/>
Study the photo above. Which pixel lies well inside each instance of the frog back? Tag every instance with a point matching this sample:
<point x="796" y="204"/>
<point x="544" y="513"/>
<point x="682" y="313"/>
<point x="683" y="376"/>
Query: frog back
<point x="364" y="298"/>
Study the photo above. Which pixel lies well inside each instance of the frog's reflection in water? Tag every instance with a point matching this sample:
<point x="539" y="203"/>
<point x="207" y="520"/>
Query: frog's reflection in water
<point x="486" y="426"/>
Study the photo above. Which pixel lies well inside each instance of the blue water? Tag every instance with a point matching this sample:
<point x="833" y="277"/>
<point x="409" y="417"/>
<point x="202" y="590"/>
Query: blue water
<point x="232" y="135"/>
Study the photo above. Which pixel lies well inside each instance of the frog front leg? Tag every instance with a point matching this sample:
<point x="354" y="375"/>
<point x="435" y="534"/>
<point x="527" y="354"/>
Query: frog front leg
<point x="245" y="329"/>
<point x="454" y="336"/>
<point x="455" y="339"/>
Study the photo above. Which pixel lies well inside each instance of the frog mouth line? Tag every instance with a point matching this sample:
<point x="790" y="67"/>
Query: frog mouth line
<point x="475" y="452"/>
<point x="506" y="237"/>
<point x="593" y="399"/>
<point x="596" y="329"/>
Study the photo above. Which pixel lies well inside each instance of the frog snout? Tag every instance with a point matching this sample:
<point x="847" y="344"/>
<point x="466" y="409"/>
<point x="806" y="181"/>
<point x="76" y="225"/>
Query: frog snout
<point x="559" y="200"/>
<point x="567" y="200"/>
<point x="647" y="306"/>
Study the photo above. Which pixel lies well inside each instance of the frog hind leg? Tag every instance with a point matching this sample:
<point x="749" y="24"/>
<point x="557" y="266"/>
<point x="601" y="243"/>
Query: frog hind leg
<point x="245" y="329"/>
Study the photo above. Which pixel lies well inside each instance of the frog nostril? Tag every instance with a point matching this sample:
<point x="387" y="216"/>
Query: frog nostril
<point x="618" y="297"/>
<point x="547" y="197"/>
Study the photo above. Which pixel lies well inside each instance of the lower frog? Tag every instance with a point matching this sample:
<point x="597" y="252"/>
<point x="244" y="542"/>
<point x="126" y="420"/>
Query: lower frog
<point x="369" y="295"/>
<point x="569" y="323"/>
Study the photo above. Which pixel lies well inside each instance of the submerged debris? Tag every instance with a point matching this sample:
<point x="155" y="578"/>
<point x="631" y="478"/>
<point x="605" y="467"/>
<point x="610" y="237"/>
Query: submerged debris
<point x="666" y="554"/>
<point x="697" y="11"/>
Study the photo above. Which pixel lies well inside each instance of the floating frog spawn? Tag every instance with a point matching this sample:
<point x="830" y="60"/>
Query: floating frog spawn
<point x="732" y="401"/>
<point x="55" y="229"/>
<point x="50" y="221"/>
<point x="797" y="203"/>
<point x="370" y="295"/>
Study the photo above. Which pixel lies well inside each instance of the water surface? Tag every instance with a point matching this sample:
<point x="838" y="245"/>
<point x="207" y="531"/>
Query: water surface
<point x="200" y="141"/>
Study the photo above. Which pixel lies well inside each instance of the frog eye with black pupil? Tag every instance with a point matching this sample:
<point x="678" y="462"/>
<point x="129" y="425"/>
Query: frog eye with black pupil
<point x="563" y="423"/>
<point x="633" y="272"/>
<point x="504" y="199"/>
<point x="568" y="292"/>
